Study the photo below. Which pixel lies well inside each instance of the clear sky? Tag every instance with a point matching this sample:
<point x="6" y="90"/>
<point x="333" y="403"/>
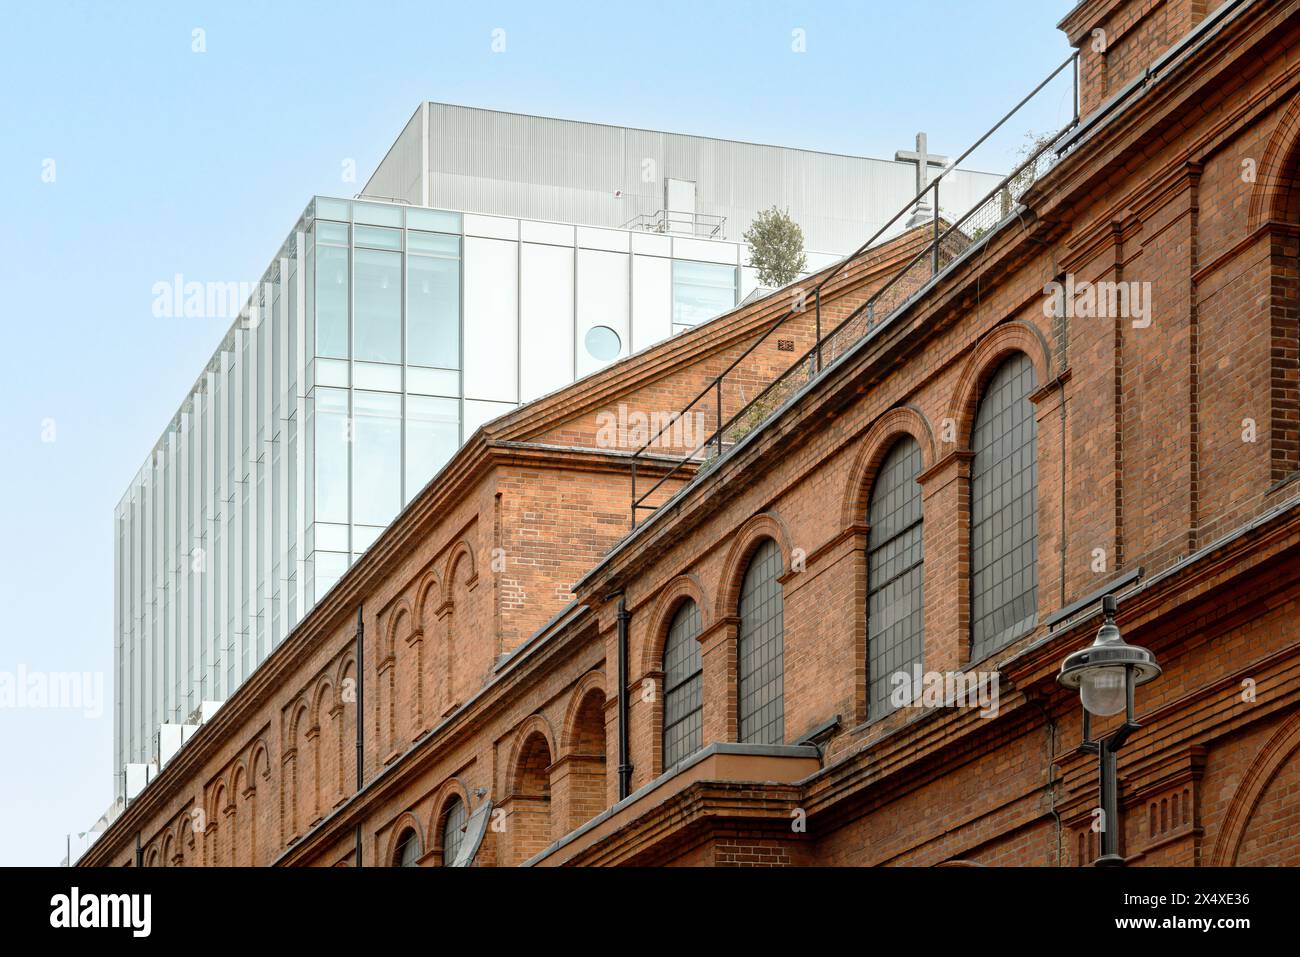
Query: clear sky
<point x="167" y="160"/>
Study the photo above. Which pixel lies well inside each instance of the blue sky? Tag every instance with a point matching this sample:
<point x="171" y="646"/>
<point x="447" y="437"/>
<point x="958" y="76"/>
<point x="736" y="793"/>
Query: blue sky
<point x="170" y="161"/>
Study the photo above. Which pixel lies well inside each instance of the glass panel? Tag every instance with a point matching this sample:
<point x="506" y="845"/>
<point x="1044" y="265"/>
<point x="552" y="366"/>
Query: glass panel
<point x="331" y="417"/>
<point x="683" y="687"/>
<point x="332" y="301"/>
<point x="385" y="378"/>
<point x="331" y="372"/>
<point x="377" y="462"/>
<point x="375" y="236"/>
<point x="432" y="437"/>
<point x="1004" y="510"/>
<point x="702" y="291"/>
<point x="378" y="305"/>
<point x="894" y="574"/>
<point x="433" y="305"/>
<point x="332" y="208"/>
<point x="760" y="649"/>
<point x="377" y="214"/>
<point x="436" y="244"/>
<point x="332" y="233"/>
<point x="330" y="567"/>
<point x="432" y="381"/>
<point x="435" y="219"/>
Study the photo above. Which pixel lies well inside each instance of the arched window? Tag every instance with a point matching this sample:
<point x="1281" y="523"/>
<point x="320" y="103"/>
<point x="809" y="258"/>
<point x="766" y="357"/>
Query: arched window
<point x="453" y="830"/>
<point x="895" y="619"/>
<point x="683" y="686"/>
<point x="1004" y="510"/>
<point x="760" y="650"/>
<point x="408" y="849"/>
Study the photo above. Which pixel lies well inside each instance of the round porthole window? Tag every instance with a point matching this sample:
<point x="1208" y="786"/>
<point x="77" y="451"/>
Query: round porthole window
<point x="603" y="343"/>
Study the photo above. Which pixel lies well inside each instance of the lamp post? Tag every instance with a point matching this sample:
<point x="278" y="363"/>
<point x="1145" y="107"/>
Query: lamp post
<point x="1105" y="675"/>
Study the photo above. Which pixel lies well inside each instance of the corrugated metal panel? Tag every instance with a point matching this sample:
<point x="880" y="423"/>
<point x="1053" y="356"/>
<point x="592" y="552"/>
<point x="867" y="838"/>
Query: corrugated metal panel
<point x="540" y="168"/>
<point x="398" y="174"/>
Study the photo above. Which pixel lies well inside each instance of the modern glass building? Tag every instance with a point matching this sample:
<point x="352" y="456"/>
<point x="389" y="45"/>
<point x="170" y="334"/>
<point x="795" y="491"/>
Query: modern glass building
<point x="383" y="333"/>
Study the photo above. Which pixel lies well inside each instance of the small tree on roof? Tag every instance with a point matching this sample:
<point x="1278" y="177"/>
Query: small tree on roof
<point x="776" y="244"/>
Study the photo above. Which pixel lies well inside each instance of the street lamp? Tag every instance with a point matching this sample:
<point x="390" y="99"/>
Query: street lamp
<point x="1105" y="674"/>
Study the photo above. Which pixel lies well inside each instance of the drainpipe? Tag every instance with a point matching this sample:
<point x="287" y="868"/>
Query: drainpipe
<point x="624" y="764"/>
<point x="361" y="719"/>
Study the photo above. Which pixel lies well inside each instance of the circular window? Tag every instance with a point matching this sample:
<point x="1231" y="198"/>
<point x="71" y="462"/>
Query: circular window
<point x="603" y="343"/>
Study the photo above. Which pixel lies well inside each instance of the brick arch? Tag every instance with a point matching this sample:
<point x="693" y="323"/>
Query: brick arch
<point x="875" y="445"/>
<point x="215" y="803"/>
<point x="984" y="361"/>
<point x="428" y="596"/>
<point x="184" y="833"/>
<point x="535" y="724"/>
<point x="591" y="683"/>
<point x="401" y="612"/>
<point x="452" y="789"/>
<point x="349" y="663"/>
<point x="529" y="790"/>
<point x="324" y="686"/>
<point x="1276" y="192"/>
<point x="748" y="537"/>
<point x="401" y="823"/>
<point x="670" y="599"/>
<point x="300" y="707"/>
<point x="1269" y="762"/>
<point x="460" y="552"/>
<point x="259" y="754"/>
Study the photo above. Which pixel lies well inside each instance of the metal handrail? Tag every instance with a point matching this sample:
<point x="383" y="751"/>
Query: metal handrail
<point x="814" y="358"/>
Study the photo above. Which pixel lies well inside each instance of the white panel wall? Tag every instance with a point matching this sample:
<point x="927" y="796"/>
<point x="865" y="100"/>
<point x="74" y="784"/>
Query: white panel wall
<point x="477" y="413"/>
<point x="491" y="294"/>
<point x="652" y="300"/>
<point x="546" y="319"/>
<point x="603" y="300"/>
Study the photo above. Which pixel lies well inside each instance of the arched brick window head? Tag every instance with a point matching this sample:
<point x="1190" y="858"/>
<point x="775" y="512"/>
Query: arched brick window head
<point x="408" y="849"/>
<point x="1004" y="510"/>
<point x="760" y="649"/>
<point x="895" y="619"/>
<point x="683" y="686"/>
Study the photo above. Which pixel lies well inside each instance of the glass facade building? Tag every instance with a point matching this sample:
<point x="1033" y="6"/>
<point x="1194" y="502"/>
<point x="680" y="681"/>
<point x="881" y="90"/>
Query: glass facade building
<point x="380" y="337"/>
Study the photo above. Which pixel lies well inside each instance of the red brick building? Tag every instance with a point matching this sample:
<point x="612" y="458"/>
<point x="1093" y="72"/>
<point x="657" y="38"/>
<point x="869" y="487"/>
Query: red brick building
<point x="930" y="495"/>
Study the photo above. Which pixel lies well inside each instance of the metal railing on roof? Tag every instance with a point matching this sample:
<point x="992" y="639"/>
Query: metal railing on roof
<point x="678" y="223"/>
<point x="949" y="242"/>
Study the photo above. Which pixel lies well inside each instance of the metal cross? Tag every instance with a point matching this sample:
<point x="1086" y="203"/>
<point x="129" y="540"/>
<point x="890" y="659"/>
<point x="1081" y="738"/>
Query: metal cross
<point x="923" y="159"/>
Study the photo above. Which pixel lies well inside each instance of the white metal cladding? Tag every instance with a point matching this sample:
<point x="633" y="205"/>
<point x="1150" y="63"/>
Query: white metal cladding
<point x="398" y="175"/>
<point x="535" y="167"/>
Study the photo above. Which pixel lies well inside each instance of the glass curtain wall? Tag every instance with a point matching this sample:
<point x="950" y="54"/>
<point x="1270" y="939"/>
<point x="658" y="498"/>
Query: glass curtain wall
<point x="332" y="401"/>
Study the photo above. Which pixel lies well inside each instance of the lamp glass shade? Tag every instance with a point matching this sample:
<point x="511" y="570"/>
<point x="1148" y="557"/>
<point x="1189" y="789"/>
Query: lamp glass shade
<point x="1103" y="691"/>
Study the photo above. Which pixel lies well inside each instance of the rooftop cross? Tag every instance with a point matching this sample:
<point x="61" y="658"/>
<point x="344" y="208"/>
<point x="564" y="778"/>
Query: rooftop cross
<point x="923" y="159"/>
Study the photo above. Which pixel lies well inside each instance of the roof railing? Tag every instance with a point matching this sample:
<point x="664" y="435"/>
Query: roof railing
<point x="949" y="242"/>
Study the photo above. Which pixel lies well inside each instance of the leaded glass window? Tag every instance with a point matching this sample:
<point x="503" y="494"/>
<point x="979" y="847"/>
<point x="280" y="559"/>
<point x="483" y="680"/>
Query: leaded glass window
<point x="408" y="849"/>
<point x="683" y="686"/>
<point x="895" y="617"/>
<point x="760" y="650"/>
<point x="1004" y="510"/>
<point x="453" y="830"/>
